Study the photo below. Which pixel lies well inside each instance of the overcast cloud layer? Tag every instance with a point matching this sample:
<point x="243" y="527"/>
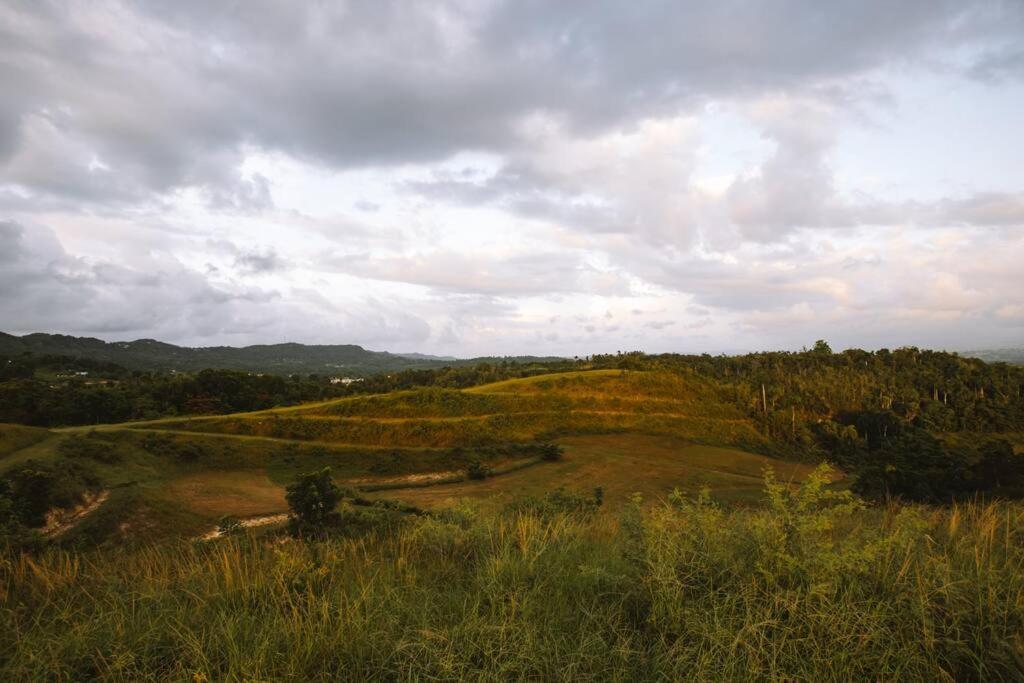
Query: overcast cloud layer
<point x="476" y="177"/>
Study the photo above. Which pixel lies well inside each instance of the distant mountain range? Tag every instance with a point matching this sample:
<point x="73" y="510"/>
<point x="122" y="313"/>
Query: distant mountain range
<point x="1013" y="356"/>
<point x="148" y="354"/>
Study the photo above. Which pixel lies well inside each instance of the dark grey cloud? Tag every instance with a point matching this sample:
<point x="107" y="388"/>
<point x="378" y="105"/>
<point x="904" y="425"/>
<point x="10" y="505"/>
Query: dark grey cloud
<point x="116" y="100"/>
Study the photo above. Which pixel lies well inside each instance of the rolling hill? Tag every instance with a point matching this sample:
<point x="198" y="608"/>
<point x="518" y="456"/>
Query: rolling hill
<point x="625" y="431"/>
<point x="282" y="359"/>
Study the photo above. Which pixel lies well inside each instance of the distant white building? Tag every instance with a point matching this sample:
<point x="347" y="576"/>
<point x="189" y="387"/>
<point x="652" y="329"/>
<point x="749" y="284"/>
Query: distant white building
<point x="345" y="380"/>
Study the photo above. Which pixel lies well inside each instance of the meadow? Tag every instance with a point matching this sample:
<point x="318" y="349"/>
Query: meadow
<point x="621" y="430"/>
<point x="811" y="586"/>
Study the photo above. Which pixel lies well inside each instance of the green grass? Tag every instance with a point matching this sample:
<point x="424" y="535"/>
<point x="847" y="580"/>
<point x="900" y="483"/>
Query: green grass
<point x="622" y="464"/>
<point x="411" y="440"/>
<point x="14" y="438"/>
<point x="532" y="383"/>
<point x="812" y="587"/>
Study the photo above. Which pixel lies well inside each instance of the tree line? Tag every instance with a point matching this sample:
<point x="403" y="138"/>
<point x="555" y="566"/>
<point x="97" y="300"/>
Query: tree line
<point x="46" y="391"/>
<point x="884" y="415"/>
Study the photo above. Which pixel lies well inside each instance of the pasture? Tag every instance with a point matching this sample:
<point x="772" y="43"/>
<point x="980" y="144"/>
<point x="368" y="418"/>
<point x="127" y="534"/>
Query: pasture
<point x="626" y="432"/>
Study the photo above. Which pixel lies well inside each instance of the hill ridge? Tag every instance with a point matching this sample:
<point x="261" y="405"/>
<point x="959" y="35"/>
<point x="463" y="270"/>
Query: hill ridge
<point x="283" y="358"/>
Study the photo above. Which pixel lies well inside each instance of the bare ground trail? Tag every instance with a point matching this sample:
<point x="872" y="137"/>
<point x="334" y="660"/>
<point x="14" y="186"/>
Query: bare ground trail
<point x="60" y="521"/>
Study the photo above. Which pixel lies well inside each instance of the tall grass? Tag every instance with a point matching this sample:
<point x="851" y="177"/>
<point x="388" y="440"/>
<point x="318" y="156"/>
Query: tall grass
<point x="812" y="587"/>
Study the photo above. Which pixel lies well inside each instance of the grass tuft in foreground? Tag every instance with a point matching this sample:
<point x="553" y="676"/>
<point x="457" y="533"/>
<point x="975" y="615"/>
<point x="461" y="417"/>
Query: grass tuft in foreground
<point x="813" y="587"/>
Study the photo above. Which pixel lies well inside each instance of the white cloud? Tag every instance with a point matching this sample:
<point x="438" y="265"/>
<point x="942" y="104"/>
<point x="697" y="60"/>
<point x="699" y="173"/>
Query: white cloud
<point x="466" y="177"/>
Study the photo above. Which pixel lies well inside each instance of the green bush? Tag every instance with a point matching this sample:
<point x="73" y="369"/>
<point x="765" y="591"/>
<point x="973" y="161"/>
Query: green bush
<point x="551" y="452"/>
<point x="162" y="445"/>
<point x="558" y="502"/>
<point x="478" y="469"/>
<point x="312" y="498"/>
<point x="31" y="489"/>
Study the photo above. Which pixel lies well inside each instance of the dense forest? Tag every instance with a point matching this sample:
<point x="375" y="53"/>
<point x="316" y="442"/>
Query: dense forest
<point x="889" y="415"/>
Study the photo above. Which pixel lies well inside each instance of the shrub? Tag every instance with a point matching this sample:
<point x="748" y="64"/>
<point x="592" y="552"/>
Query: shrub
<point x="551" y="452"/>
<point x="190" y="451"/>
<point x="164" y="445"/>
<point x="312" y="498"/>
<point x="156" y="444"/>
<point x="558" y="502"/>
<point x="478" y="469"/>
<point x="33" y="488"/>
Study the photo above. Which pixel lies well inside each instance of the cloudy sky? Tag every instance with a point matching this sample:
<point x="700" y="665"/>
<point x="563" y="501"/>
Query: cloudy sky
<point x="483" y="177"/>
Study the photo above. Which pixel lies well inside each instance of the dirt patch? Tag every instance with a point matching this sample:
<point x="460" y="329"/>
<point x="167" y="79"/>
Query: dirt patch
<point x="60" y="520"/>
<point x="247" y="524"/>
<point x="407" y="480"/>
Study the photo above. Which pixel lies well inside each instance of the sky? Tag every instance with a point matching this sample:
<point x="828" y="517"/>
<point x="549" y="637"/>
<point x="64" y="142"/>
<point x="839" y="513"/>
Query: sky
<point x="485" y="177"/>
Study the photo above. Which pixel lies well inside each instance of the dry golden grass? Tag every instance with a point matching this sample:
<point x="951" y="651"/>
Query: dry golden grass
<point x="622" y="464"/>
<point x="216" y="493"/>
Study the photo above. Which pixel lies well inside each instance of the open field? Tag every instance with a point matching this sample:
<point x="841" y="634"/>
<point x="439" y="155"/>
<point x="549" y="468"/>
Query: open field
<point x="622" y="464"/>
<point x="242" y="493"/>
<point x="624" y="431"/>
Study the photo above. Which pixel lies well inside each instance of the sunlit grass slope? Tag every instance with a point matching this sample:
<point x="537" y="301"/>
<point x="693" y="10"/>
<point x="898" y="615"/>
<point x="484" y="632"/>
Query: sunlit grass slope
<point x="542" y="407"/>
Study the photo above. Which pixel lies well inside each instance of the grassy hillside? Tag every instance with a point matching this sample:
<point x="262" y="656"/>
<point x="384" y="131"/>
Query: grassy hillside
<point x="669" y="542"/>
<point x="811" y="587"/>
<point x="623" y="464"/>
<point x="541" y="407"/>
<point x="625" y="431"/>
<point x="17" y="437"/>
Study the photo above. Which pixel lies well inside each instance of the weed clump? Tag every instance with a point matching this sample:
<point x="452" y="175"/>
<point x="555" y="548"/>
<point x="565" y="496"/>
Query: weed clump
<point x="558" y="502"/>
<point x="551" y="452"/>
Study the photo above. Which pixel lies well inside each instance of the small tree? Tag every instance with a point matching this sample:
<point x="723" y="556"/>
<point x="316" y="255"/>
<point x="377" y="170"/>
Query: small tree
<point x="312" y="499"/>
